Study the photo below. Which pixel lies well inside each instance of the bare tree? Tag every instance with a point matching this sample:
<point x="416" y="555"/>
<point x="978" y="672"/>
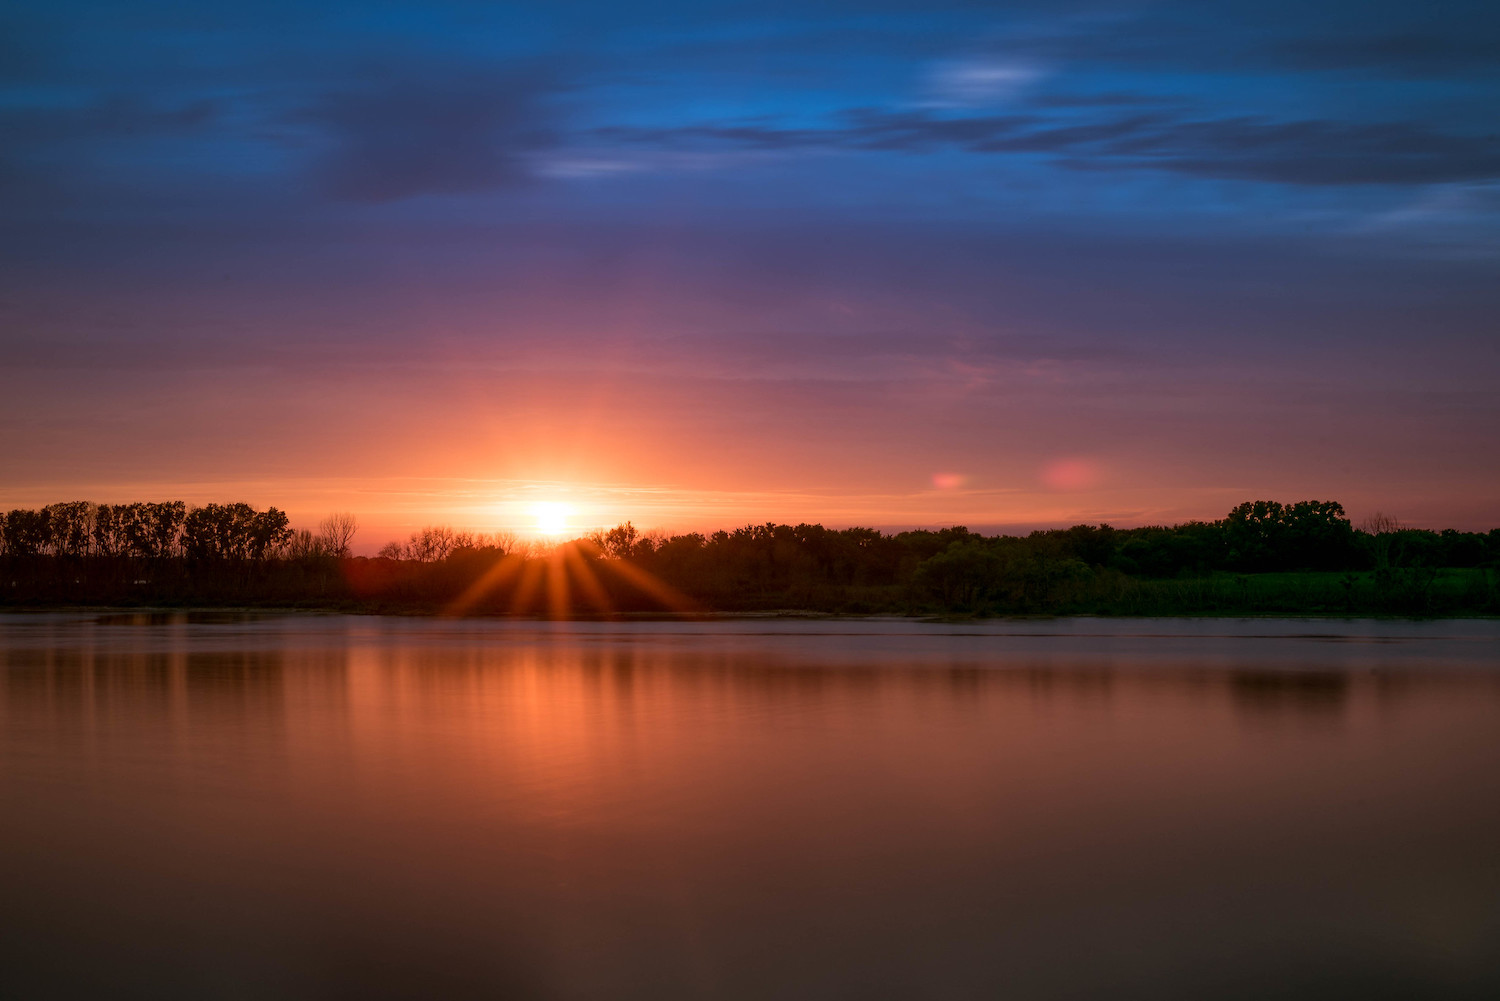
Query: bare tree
<point x="337" y="533"/>
<point x="435" y="543"/>
<point x="430" y="545"/>
<point x="304" y="545"/>
<point x="1384" y="532"/>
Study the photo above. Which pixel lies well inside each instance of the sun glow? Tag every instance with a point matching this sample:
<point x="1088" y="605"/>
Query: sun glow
<point x="551" y="517"/>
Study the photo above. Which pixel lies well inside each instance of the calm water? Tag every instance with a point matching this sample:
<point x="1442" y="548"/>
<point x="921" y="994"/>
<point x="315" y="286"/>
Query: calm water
<point x="360" y="808"/>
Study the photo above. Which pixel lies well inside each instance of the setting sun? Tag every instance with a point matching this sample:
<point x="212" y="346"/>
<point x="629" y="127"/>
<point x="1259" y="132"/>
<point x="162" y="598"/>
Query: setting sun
<point x="551" y="517"/>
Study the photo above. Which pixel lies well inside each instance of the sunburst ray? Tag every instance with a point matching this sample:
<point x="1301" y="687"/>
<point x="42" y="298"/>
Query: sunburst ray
<point x="493" y="579"/>
<point x="653" y="586"/>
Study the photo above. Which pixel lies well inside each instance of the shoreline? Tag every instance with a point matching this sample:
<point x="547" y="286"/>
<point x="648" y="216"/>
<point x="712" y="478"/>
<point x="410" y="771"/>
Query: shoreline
<point x="207" y="612"/>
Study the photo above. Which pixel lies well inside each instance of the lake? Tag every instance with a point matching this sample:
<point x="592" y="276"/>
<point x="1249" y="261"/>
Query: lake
<point x="226" y="806"/>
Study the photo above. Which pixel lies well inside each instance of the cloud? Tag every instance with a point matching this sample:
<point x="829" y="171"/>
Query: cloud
<point x="1107" y="99"/>
<point x="398" y="136"/>
<point x="971" y="82"/>
<point x="1310" y="152"/>
<point x="1451" y="221"/>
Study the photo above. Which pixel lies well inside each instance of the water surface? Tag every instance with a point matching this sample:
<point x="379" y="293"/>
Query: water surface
<point x="323" y="807"/>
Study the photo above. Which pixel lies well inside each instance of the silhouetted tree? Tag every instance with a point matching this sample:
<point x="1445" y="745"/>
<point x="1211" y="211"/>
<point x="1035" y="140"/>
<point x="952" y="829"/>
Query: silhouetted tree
<point x="1381" y="531"/>
<point x="26" y="532"/>
<point x="431" y="544"/>
<point x="109" y="530"/>
<point x="143" y="530"/>
<point x="69" y="528"/>
<point x="304" y="545"/>
<point x="1317" y="536"/>
<point x="962" y="575"/>
<point x="234" y="532"/>
<point x="1253" y="532"/>
<point x="337" y="533"/>
<point x="618" y="542"/>
<point x="135" y="553"/>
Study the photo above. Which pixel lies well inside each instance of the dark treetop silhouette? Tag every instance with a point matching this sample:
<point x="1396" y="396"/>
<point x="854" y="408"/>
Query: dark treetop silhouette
<point x="1263" y="556"/>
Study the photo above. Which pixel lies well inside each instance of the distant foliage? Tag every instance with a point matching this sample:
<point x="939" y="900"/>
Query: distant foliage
<point x="1262" y="557"/>
<point x="1312" y="535"/>
<point x="151" y="531"/>
<point x="78" y="529"/>
<point x="170" y="529"/>
<point x="436" y="543"/>
<point x="234" y="532"/>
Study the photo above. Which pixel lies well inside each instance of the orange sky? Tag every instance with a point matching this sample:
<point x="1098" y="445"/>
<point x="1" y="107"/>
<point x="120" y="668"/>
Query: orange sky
<point x="903" y="443"/>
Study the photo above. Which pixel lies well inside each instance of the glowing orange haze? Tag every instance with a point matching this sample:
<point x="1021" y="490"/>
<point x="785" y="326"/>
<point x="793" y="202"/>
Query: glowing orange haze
<point x="695" y="448"/>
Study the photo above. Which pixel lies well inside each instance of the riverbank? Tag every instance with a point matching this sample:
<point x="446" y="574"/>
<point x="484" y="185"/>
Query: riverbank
<point x="566" y="584"/>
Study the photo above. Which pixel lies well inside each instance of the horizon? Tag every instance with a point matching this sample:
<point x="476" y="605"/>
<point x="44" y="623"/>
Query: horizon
<point x="555" y="522"/>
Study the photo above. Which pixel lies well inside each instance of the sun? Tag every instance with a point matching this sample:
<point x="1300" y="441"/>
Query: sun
<point x="551" y="517"/>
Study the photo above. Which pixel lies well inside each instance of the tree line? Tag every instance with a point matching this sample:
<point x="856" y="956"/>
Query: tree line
<point x="169" y="530"/>
<point x="1381" y="566"/>
<point x="1263" y="556"/>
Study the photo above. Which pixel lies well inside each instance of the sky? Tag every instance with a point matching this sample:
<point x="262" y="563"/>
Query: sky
<point x="1008" y="265"/>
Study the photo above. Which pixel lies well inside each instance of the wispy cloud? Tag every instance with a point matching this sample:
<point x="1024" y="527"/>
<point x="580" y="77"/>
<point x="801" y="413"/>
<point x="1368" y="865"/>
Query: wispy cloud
<point x="979" y="81"/>
<point x="1299" y="152"/>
